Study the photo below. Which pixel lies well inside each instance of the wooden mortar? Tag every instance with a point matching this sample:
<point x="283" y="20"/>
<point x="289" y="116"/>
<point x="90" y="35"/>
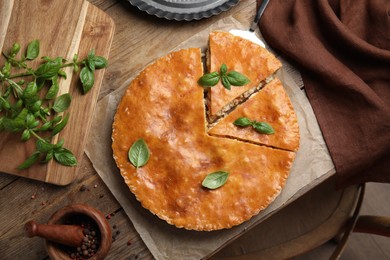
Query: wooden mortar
<point x="56" y="233"/>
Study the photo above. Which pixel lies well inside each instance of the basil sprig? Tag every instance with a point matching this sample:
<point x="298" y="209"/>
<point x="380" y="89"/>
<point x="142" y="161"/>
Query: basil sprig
<point x="261" y="127"/>
<point x="139" y="153"/>
<point x="24" y="108"/>
<point x="215" y="180"/>
<point x="228" y="79"/>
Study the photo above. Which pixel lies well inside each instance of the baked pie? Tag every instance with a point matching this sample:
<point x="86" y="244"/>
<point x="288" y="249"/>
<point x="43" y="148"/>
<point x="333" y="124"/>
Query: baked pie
<point x="164" y="105"/>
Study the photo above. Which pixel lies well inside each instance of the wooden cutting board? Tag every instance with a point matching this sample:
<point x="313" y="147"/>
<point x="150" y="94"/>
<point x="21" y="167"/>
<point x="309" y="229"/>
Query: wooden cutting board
<point x="63" y="28"/>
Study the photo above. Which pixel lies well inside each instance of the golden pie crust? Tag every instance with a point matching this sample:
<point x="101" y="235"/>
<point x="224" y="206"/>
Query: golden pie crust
<point x="272" y="105"/>
<point x="240" y="55"/>
<point x="164" y="105"/>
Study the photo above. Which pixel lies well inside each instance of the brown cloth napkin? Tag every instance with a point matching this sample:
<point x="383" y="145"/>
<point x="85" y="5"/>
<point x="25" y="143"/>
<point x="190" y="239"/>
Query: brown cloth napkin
<point x="342" y="48"/>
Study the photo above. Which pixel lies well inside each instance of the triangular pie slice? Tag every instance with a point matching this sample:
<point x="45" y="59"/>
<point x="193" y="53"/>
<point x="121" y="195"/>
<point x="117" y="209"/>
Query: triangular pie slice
<point x="164" y="106"/>
<point x="272" y="105"/>
<point x="243" y="56"/>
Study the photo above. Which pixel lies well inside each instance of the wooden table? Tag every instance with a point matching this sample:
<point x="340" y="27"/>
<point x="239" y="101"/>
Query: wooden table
<point x="138" y="39"/>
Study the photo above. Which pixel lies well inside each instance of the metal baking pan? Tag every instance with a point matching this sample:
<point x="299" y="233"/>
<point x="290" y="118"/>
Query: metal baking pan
<point x="183" y="10"/>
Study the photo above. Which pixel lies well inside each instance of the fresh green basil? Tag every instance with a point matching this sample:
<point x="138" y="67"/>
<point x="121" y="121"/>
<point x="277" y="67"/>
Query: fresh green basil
<point x="225" y="82"/>
<point x="46" y="126"/>
<point x="49" y="69"/>
<point x="223" y="69"/>
<point x="90" y="60"/>
<point x="243" y="122"/>
<point x="233" y="78"/>
<point x="100" y="62"/>
<point x="237" y="79"/>
<point x="62" y="73"/>
<point x="25" y="135"/>
<point x="30" y="161"/>
<point x="30" y="90"/>
<point x="15" y="49"/>
<point x="215" y="180"/>
<point x="139" y="153"/>
<point x="32" y="50"/>
<point x="22" y="108"/>
<point x="58" y="128"/>
<point x="62" y="103"/>
<point x="53" y="90"/>
<point x="43" y="146"/>
<point x="48" y="156"/>
<point x="87" y="79"/>
<point x="65" y="157"/>
<point x="263" y="128"/>
<point x="16" y="124"/>
<point x="209" y="80"/>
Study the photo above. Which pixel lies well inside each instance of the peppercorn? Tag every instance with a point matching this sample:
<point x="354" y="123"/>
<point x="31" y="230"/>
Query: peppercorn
<point x="90" y="241"/>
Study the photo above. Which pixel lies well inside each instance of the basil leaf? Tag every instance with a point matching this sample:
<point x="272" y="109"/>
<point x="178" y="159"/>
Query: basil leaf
<point x="40" y="83"/>
<point x="87" y="79"/>
<point x="215" y="180"/>
<point x="139" y="153"/>
<point x="62" y="73"/>
<point x="43" y="146"/>
<point x="26" y="135"/>
<point x="100" y="62"/>
<point x="237" y="79"/>
<point x="45" y="126"/>
<point x="36" y="106"/>
<point x="263" y="128"/>
<point x="225" y="82"/>
<point x="56" y="120"/>
<point x="91" y="65"/>
<point x="91" y="54"/>
<point x="4" y="103"/>
<point x="29" y="161"/>
<point x="59" y="144"/>
<point x="16" y="124"/>
<point x="223" y="69"/>
<point x="32" y="50"/>
<point x="6" y="69"/>
<point x="49" y="69"/>
<point x="90" y="60"/>
<point x="209" y="80"/>
<point x="15" y="49"/>
<point x="15" y="87"/>
<point x="30" y="119"/>
<point x="75" y="58"/>
<point x="62" y="103"/>
<point x="48" y="156"/>
<point x="60" y="126"/>
<point x="242" y="121"/>
<point x="65" y="157"/>
<point x="30" y="90"/>
<point x="53" y="90"/>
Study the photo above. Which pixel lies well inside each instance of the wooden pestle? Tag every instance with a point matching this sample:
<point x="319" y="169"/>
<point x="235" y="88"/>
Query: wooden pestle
<point x="69" y="235"/>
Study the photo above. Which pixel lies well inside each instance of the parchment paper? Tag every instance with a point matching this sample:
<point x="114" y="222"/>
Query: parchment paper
<point x="312" y="165"/>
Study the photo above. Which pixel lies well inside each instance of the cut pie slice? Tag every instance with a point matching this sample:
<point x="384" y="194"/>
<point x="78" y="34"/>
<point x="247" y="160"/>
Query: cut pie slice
<point x="240" y="55"/>
<point x="271" y="105"/>
<point x="164" y="106"/>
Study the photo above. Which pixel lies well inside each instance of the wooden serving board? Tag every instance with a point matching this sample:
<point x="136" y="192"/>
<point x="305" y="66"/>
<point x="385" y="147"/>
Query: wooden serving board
<point x="63" y="29"/>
